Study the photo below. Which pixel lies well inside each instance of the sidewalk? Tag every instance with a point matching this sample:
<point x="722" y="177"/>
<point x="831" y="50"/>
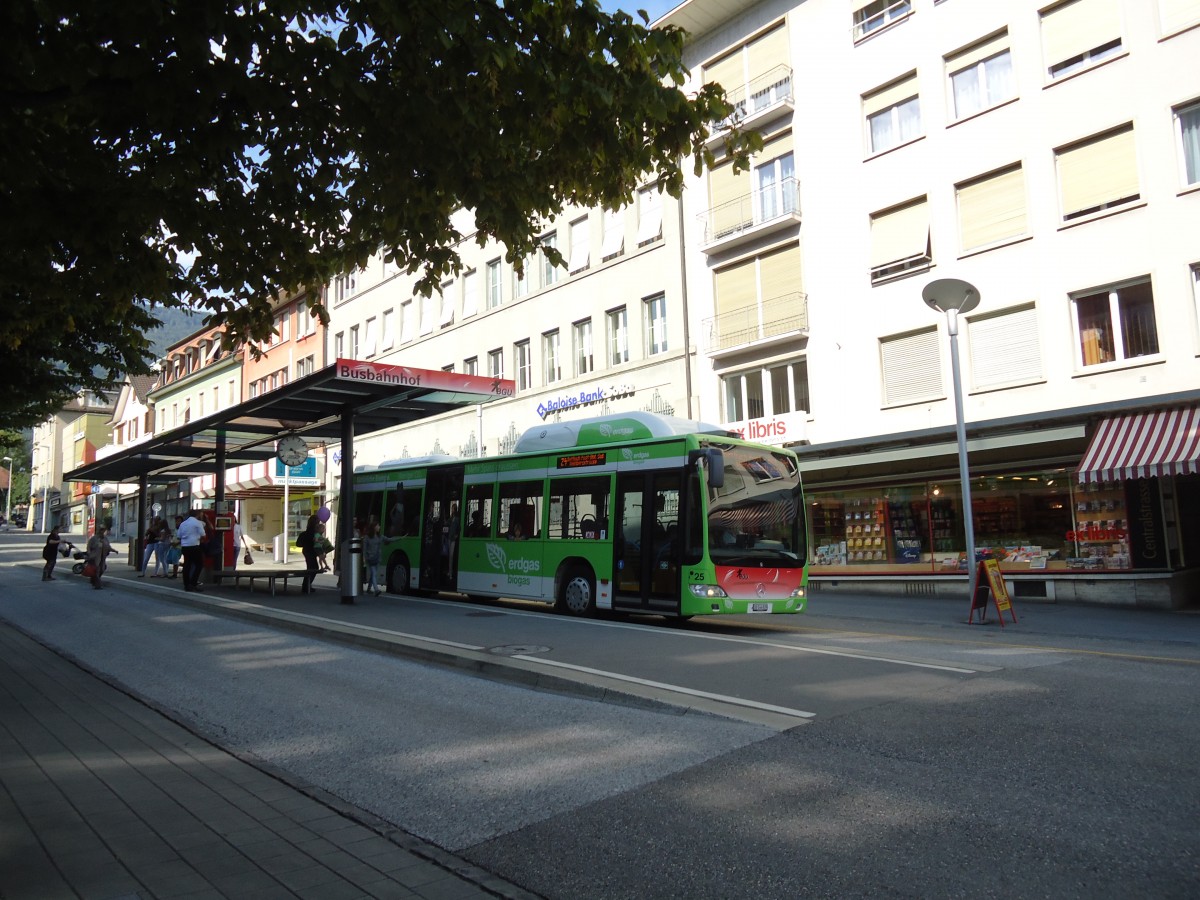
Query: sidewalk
<point x="103" y="797"/>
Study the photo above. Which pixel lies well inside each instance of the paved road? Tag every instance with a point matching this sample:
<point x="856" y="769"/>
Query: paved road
<point x="1060" y="764"/>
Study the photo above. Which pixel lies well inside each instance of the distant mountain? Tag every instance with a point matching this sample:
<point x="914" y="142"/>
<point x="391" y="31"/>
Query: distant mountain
<point x="176" y="325"/>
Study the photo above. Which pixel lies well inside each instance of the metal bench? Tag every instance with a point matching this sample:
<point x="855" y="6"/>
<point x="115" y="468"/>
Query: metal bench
<point x="253" y="573"/>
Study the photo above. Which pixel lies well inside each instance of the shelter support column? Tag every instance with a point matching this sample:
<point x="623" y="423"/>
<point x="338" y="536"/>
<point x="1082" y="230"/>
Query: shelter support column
<point x="348" y="575"/>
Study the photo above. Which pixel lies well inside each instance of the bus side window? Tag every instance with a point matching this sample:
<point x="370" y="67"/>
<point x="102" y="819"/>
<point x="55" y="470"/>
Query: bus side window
<point x="479" y="510"/>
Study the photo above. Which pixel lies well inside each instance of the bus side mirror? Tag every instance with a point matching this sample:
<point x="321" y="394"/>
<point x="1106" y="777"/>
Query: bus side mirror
<point x="712" y="462"/>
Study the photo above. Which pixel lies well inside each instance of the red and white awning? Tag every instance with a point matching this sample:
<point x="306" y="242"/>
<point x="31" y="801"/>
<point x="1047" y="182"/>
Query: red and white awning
<point x="1144" y="445"/>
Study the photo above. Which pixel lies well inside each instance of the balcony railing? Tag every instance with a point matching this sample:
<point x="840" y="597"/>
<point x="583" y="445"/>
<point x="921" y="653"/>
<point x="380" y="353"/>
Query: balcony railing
<point x="779" y="316"/>
<point x="865" y="23"/>
<point x="770" y="89"/>
<point x="776" y="203"/>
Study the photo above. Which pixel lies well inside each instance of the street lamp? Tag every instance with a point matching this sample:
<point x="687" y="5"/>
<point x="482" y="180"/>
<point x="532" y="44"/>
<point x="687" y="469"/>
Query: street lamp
<point x="952" y="296"/>
<point x="8" y="498"/>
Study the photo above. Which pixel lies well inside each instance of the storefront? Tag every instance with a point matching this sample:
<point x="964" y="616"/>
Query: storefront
<point x="1084" y="511"/>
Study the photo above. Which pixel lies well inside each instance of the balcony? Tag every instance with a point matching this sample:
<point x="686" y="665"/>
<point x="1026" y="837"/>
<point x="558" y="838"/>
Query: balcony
<point x="758" y="103"/>
<point x="772" y="208"/>
<point x="773" y="321"/>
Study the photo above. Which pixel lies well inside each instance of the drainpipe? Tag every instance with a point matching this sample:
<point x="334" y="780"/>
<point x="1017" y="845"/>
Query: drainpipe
<point x="687" y="342"/>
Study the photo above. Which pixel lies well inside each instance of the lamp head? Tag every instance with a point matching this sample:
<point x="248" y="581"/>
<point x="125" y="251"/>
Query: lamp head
<point x="946" y="294"/>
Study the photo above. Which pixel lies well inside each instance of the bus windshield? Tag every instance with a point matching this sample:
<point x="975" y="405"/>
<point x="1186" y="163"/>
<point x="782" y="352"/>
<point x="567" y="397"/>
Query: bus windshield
<point x="755" y="518"/>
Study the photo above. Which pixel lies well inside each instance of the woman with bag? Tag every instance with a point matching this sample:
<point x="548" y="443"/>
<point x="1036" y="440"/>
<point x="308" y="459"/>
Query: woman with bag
<point x="307" y="542"/>
<point x="98" y="549"/>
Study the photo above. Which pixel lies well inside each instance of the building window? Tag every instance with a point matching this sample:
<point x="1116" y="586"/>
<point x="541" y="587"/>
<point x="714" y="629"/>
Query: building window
<point x="1097" y="174"/>
<point x="614" y="234"/>
<point x="305" y="323"/>
<point x="870" y="17"/>
<point x="981" y="76"/>
<point x="655" y="324"/>
<point x="1188" y="119"/>
<point x="344" y="286"/>
<point x="430" y="309"/>
<point x="1005" y="348"/>
<point x="471" y="366"/>
<point x="496" y="363"/>
<point x="549" y="270"/>
<point x="912" y="369"/>
<point x="1078" y="34"/>
<point x="744" y="398"/>
<point x="551" y="365"/>
<point x="893" y="115"/>
<point x="353" y="347"/>
<point x="523" y="362"/>
<point x="523" y="280"/>
<point x="789" y="387"/>
<point x="900" y="242"/>
<point x="408" y="321"/>
<point x="991" y="208"/>
<point x="580" y="246"/>
<point x="773" y="391"/>
<point x="493" y="286"/>
<point x="339" y="345"/>
<point x="370" y="338"/>
<point x="304" y="367"/>
<point x="581" y="342"/>
<point x="449" y="368"/>
<point x="387" y="330"/>
<point x="649" y="216"/>
<point x="775" y="185"/>
<point x="470" y="294"/>
<point x="1116" y="323"/>
<point x="618" y="336"/>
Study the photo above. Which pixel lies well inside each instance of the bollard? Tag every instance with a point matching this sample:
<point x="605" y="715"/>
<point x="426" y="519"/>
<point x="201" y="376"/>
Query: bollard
<point x="351" y="573"/>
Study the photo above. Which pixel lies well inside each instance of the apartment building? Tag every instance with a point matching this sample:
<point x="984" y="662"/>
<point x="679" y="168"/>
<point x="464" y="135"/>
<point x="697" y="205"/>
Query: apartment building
<point x="1046" y="153"/>
<point x="70" y="438"/>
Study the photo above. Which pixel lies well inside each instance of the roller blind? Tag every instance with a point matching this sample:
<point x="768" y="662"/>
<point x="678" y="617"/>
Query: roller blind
<point x="580" y="245"/>
<point x="992" y="208"/>
<point x="890" y="95"/>
<point x="727" y="71"/>
<point x="776" y="148"/>
<point x="1097" y="172"/>
<point x="912" y="370"/>
<point x="983" y="50"/>
<point x="1005" y="348"/>
<point x="1175" y="14"/>
<point x="899" y="234"/>
<point x="768" y="51"/>
<point x="1071" y="29"/>
<point x="780" y="273"/>
<point x="736" y="288"/>
<point x="725" y="190"/>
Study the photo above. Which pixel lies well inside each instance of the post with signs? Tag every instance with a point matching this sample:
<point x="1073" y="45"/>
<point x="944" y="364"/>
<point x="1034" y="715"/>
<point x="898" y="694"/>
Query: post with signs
<point x="990" y="580"/>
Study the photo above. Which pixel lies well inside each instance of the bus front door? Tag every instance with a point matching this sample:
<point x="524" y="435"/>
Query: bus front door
<point x="646" y="546"/>
<point x="440" y="528"/>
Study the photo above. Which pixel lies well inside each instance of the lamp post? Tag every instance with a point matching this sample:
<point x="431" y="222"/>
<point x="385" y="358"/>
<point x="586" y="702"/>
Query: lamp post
<point x="8" y="493"/>
<point x="952" y="296"/>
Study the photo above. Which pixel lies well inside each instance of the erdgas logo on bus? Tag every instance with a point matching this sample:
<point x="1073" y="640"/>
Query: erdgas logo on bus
<point x="631" y="455"/>
<point x="516" y="571"/>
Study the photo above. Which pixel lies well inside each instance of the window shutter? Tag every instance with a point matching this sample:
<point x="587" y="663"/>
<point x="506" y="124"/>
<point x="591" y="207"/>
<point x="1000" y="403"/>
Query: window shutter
<point x="1074" y="28"/>
<point x="727" y="71"/>
<point x="736" y="288"/>
<point x="885" y="97"/>
<point x="780" y="273"/>
<point x="729" y="200"/>
<point x="614" y="233"/>
<point x="1097" y="172"/>
<point x="649" y="216"/>
<point x="767" y="51"/>
<point x="1178" y="13"/>
<point x="371" y="340"/>
<point x="775" y="148"/>
<point x="1005" y="348"/>
<point x="447" y="298"/>
<point x="912" y="370"/>
<point x="977" y="53"/>
<point x="992" y="208"/>
<point x="900" y="234"/>
<point x="580" y="246"/>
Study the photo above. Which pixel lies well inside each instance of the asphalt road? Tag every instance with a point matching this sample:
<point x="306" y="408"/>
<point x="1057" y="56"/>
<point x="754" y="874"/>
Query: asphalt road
<point x="1055" y="757"/>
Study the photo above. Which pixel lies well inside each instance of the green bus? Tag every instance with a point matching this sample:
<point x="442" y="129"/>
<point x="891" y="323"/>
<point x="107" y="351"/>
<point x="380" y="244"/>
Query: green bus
<point x="631" y="512"/>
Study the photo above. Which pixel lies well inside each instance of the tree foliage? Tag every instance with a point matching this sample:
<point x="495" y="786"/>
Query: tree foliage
<point x="209" y="154"/>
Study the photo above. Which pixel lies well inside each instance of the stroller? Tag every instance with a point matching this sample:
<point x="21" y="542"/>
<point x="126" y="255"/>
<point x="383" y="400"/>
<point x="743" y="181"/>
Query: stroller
<point x="80" y="557"/>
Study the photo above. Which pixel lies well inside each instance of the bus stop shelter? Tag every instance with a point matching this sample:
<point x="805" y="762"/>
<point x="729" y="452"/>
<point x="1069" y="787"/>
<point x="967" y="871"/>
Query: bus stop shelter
<point x="332" y="405"/>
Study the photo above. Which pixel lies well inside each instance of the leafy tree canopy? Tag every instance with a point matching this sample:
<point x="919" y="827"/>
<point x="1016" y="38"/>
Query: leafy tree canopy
<point x="210" y="154"/>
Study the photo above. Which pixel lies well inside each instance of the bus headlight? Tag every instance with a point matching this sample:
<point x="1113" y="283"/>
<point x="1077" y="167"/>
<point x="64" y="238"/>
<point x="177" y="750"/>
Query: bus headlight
<point x="798" y="592"/>
<point x="707" y="590"/>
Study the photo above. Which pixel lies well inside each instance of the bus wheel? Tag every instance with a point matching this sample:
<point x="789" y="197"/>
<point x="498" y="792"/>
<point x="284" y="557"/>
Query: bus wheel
<point x="397" y="576"/>
<point x="578" y="595"/>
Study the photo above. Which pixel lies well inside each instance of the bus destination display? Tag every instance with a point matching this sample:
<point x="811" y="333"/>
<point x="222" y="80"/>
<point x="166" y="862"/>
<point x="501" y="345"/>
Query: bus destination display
<point x="581" y="460"/>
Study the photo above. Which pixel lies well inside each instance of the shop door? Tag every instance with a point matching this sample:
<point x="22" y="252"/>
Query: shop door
<point x="646" y="545"/>
<point x="439" y="518"/>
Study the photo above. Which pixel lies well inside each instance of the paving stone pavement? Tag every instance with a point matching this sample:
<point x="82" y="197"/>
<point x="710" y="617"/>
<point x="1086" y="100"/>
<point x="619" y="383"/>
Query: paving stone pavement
<point x="103" y="797"/>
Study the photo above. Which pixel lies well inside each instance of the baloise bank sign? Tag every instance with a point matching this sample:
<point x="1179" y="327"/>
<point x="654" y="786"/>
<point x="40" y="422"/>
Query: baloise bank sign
<point x="586" y="397"/>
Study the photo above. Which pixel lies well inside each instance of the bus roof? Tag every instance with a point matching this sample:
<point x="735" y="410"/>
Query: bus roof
<point x="616" y="428"/>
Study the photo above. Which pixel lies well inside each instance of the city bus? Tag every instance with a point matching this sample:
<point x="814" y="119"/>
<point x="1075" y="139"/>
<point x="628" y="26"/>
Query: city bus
<point x="631" y="512"/>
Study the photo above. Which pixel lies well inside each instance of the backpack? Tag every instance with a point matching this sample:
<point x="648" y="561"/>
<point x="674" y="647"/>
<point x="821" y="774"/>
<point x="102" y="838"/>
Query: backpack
<point x="304" y="540"/>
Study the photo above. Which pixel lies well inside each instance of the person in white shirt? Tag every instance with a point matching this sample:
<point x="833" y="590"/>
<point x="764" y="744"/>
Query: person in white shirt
<point x="191" y="535"/>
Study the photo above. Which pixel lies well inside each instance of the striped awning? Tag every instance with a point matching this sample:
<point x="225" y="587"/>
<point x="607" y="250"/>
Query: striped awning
<point x="1144" y="445"/>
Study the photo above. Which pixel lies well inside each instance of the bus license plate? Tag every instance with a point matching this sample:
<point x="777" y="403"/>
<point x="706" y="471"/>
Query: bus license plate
<point x="760" y="607"/>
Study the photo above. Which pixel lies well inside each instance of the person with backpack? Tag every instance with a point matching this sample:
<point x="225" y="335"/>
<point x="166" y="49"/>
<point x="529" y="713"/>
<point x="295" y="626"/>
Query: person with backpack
<point x="307" y="542"/>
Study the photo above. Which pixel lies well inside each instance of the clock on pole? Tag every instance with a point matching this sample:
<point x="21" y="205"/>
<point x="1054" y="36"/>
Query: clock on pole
<point x="291" y="450"/>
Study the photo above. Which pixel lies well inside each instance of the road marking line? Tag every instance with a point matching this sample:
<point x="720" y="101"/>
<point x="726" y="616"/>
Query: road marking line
<point x="673" y="688"/>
